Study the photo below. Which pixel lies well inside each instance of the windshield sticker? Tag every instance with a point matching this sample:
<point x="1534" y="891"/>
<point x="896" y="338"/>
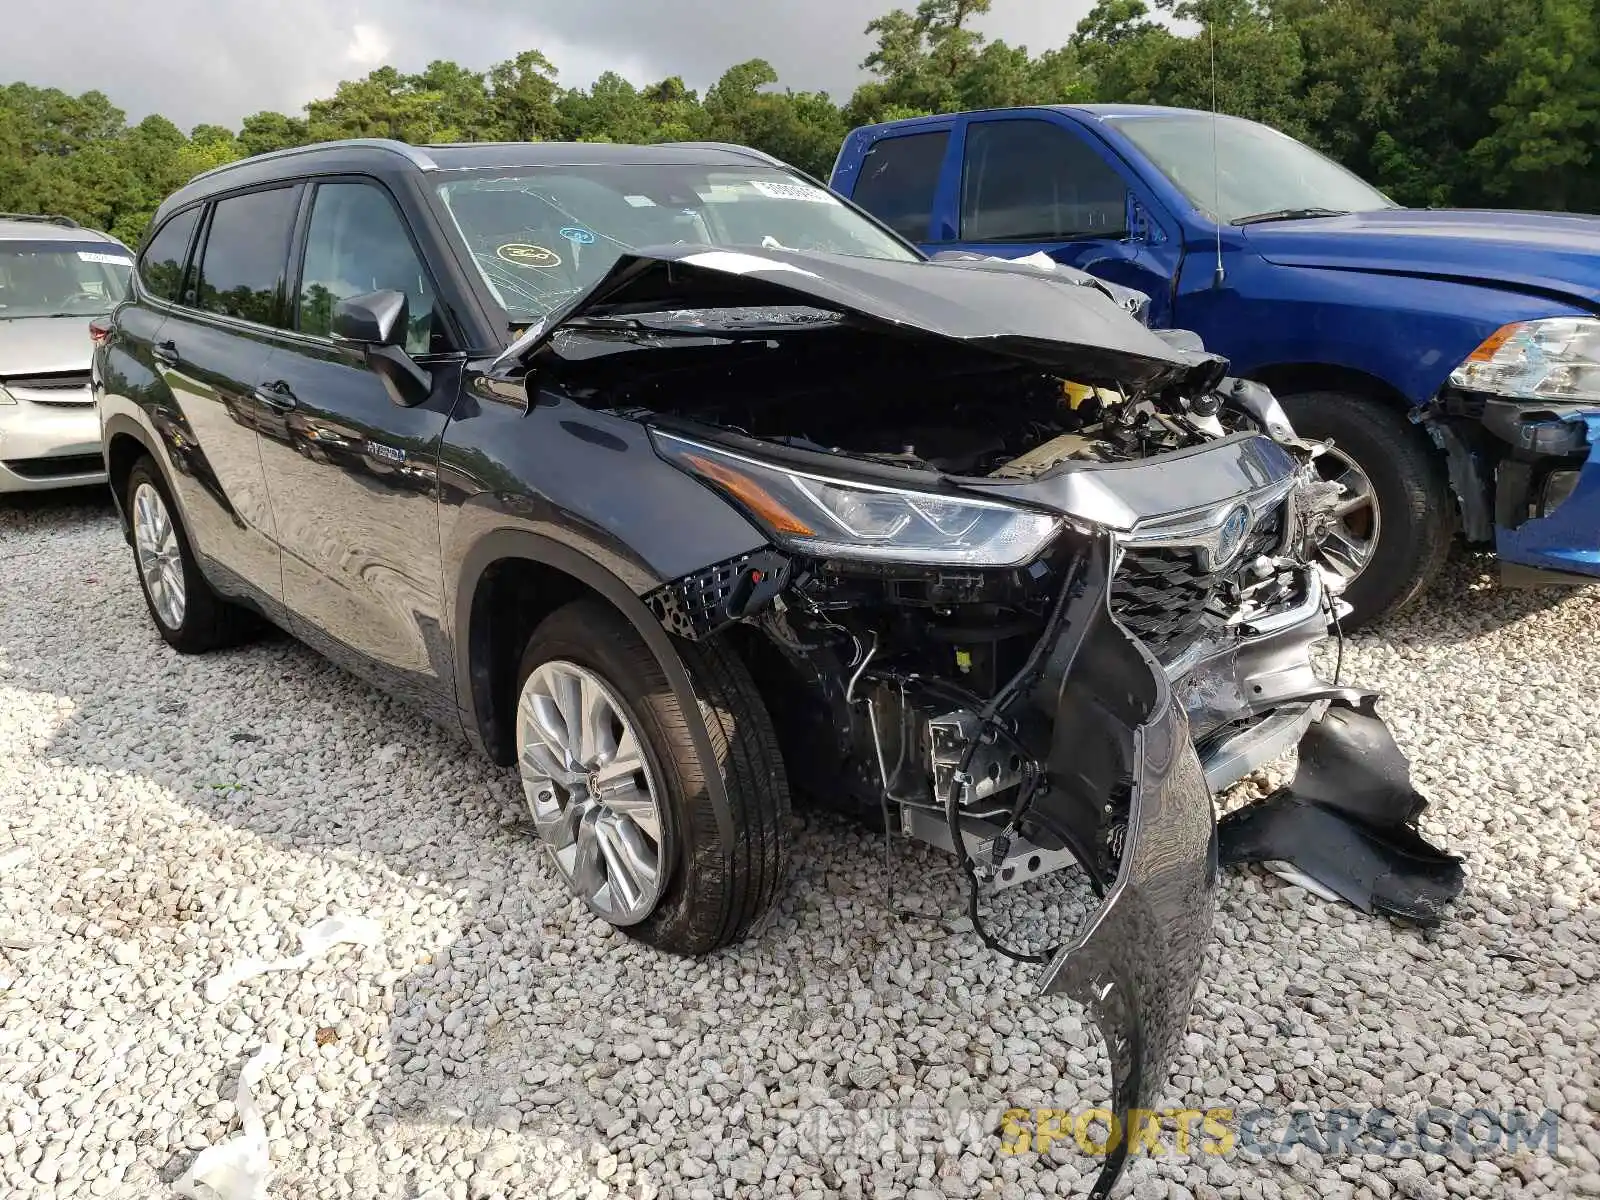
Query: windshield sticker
<point x="578" y="235"/>
<point x="94" y="256"/>
<point x="640" y="201"/>
<point x="526" y="254"/>
<point x="793" y="191"/>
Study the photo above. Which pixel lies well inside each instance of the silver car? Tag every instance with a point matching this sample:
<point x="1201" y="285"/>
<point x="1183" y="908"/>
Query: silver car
<point x="55" y="278"/>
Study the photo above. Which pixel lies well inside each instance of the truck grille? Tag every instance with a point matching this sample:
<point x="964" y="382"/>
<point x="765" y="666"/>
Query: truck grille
<point x="1162" y="595"/>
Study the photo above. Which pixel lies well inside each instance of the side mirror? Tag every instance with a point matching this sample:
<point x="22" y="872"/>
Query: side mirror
<point x="379" y="322"/>
<point x="376" y="319"/>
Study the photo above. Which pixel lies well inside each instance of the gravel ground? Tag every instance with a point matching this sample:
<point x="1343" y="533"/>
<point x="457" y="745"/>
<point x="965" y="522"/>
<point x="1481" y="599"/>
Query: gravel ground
<point x="162" y="818"/>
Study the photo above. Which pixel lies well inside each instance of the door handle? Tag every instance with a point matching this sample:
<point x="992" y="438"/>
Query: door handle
<point x="277" y="395"/>
<point x="165" y="353"/>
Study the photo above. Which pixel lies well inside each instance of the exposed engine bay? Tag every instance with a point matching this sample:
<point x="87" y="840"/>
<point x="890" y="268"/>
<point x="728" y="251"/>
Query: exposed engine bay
<point x="1038" y="583"/>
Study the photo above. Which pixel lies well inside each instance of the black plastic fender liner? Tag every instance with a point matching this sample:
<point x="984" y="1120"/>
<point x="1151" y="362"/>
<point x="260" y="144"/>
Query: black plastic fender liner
<point x="1135" y="965"/>
<point x="1348" y="821"/>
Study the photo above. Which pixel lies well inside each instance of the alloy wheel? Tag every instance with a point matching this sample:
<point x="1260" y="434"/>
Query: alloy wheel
<point x="1352" y="536"/>
<point x="594" y="797"/>
<point x="155" y="544"/>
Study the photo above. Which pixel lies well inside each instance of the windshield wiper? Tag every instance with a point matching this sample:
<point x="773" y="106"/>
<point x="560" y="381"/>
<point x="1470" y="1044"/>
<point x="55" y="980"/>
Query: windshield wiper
<point x="1288" y="214"/>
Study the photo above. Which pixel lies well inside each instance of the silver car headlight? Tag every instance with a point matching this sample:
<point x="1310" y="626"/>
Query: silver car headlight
<point x="6" y="397"/>
<point x="1557" y="358"/>
<point x="839" y="518"/>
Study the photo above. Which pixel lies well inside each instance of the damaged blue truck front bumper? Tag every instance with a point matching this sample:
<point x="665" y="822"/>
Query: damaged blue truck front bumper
<point x="1527" y="476"/>
<point x="1559" y="531"/>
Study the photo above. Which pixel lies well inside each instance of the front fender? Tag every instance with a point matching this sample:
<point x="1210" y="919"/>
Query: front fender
<point x="1406" y="331"/>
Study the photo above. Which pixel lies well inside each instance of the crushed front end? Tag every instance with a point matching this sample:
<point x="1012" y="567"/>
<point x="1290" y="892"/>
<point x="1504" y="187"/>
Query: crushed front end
<point x="1519" y="422"/>
<point x="1036" y="586"/>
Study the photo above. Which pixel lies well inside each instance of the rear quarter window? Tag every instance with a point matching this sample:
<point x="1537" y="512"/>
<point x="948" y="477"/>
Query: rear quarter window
<point x="161" y="265"/>
<point x="898" y="178"/>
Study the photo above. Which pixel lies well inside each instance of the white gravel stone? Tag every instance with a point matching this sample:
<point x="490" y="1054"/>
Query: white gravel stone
<point x="162" y="817"/>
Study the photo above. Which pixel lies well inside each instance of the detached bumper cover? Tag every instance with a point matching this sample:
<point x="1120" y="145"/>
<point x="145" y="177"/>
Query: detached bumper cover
<point x="1135" y="965"/>
<point x="1348" y="821"/>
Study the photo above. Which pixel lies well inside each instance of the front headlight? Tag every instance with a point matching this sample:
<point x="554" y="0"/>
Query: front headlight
<point x="1557" y="358"/>
<point x="838" y="518"/>
<point x="6" y="397"/>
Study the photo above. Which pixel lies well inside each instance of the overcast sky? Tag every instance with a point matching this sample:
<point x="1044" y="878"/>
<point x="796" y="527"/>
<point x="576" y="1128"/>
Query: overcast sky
<point x="219" y="60"/>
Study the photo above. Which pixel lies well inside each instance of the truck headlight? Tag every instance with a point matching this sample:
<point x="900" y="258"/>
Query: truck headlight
<point x="840" y="518"/>
<point x="1557" y="358"/>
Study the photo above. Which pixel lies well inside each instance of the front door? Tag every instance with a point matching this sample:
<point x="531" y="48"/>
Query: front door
<point x="353" y="475"/>
<point x="1029" y="184"/>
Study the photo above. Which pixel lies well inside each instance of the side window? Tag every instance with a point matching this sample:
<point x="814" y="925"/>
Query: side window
<point x="898" y="178"/>
<point x="161" y="267"/>
<point x="357" y="243"/>
<point x="1033" y="181"/>
<point x="247" y="245"/>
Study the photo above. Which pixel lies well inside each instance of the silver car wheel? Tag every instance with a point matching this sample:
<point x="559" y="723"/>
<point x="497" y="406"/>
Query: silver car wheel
<point x="155" y="544"/>
<point x="1357" y="522"/>
<point x="594" y="797"/>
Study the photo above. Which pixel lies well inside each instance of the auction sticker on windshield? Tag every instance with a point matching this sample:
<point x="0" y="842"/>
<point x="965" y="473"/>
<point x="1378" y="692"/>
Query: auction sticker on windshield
<point x="95" y="256"/>
<point x="525" y="254"/>
<point x="792" y="191"/>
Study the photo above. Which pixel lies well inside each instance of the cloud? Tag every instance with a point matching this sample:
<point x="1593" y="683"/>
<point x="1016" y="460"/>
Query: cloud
<point x="368" y="47"/>
<point x="218" y="60"/>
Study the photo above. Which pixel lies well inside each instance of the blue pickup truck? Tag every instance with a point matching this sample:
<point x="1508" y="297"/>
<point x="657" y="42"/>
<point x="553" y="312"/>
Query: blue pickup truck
<point x="1453" y="357"/>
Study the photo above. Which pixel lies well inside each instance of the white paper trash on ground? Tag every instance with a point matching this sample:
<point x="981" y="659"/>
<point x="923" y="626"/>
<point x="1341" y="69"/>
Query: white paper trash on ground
<point x="237" y="1169"/>
<point x="315" y="941"/>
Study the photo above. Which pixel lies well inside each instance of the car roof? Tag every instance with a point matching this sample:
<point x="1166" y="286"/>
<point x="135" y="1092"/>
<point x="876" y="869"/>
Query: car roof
<point x="46" y="230"/>
<point x="384" y="155"/>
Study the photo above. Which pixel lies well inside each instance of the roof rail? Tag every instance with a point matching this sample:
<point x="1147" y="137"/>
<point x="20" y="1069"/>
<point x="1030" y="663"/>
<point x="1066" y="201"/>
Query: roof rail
<point x="732" y="148"/>
<point x="42" y="219"/>
<point x="409" y="152"/>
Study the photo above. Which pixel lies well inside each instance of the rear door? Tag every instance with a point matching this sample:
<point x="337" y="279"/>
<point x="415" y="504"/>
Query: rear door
<point x="353" y="475"/>
<point x="1028" y="183"/>
<point x="210" y="352"/>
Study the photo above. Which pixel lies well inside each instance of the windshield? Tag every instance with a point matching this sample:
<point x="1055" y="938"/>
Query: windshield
<point x="542" y="237"/>
<point x="61" y="279"/>
<point x="1259" y="171"/>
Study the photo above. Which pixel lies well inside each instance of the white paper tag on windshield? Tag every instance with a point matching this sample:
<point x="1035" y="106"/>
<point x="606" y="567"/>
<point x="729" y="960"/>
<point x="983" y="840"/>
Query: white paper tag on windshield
<point x="96" y="256"/>
<point x="793" y="191"/>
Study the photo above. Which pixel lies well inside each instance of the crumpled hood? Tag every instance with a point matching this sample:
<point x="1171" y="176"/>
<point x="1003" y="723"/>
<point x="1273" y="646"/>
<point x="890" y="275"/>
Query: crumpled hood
<point x="1057" y="324"/>
<point x="1552" y="254"/>
<point x="44" y="345"/>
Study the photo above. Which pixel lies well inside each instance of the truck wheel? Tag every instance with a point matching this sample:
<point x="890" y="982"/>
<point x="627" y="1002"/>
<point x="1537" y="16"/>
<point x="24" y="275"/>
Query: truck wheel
<point x="619" y="794"/>
<point x="1396" y="523"/>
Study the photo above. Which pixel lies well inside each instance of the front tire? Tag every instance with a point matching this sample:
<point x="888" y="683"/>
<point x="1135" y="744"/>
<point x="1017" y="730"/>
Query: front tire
<point x="1396" y="525"/>
<point x="188" y="614"/>
<point x="621" y="797"/>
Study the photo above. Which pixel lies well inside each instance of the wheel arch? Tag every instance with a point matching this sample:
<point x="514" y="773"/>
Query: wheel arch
<point x="511" y="579"/>
<point x="1286" y="379"/>
<point x="125" y="443"/>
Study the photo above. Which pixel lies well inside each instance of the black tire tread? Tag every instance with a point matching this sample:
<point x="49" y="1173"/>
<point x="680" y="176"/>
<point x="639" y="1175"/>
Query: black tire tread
<point x="209" y="621"/>
<point x="1417" y="490"/>
<point x="717" y="892"/>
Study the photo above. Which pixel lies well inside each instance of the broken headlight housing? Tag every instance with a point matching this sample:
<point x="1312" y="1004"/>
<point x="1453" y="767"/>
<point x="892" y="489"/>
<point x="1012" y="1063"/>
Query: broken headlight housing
<point x="842" y="518"/>
<point x="1557" y="358"/>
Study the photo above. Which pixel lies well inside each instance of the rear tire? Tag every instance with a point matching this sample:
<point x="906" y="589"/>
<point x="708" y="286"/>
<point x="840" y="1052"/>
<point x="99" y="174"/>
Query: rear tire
<point x="1411" y="530"/>
<point x="709" y="890"/>
<point x="188" y="614"/>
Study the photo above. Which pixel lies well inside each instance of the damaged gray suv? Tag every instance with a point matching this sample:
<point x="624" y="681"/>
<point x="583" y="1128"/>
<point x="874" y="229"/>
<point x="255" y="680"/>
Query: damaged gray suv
<point x="674" y="481"/>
